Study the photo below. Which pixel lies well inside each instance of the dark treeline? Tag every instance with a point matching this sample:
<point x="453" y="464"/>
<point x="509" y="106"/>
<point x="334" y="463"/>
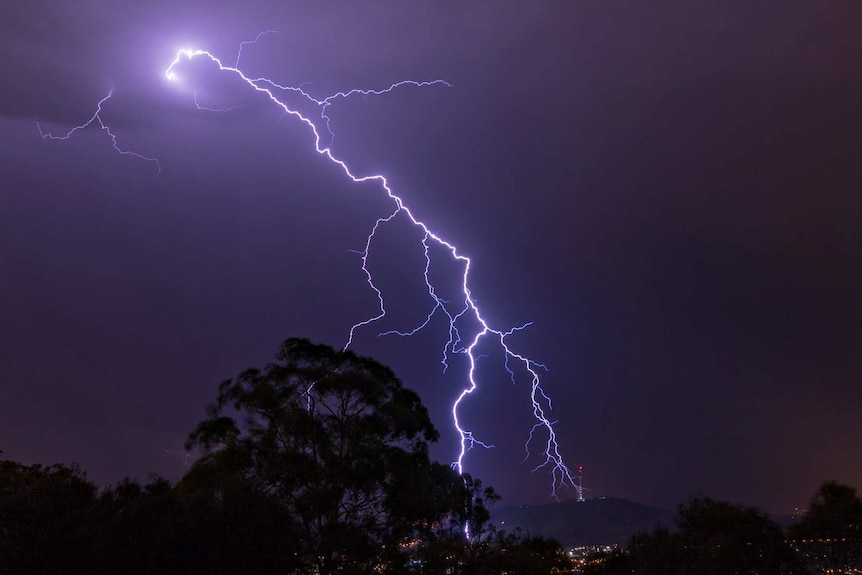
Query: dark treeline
<point x="317" y="463"/>
<point x="719" y="538"/>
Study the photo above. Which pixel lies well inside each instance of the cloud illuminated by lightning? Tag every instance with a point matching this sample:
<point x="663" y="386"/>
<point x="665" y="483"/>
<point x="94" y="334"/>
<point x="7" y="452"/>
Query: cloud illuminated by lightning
<point x="458" y="313"/>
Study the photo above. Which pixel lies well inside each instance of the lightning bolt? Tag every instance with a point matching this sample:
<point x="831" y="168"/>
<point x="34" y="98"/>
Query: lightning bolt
<point x="97" y="118"/>
<point x="245" y="43"/>
<point x="457" y="313"/>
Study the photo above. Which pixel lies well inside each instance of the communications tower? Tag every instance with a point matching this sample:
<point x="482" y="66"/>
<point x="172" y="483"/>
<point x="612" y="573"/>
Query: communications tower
<point x="579" y="486"/>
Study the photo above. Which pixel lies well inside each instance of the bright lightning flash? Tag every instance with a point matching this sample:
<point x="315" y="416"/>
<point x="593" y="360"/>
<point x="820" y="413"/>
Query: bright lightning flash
<point x="458" y="314"/>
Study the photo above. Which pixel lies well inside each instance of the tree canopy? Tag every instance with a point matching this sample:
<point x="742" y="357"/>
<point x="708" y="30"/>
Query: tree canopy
<point x="712" y="538"/>
<point x="830" y="533"/>
<point x="42" y="514"/>
<point x="337" y="440"/>
<point x="835" y="513"/>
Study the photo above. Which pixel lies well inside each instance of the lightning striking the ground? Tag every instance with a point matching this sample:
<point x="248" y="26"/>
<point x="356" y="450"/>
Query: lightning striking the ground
<point x="467" y="326"/>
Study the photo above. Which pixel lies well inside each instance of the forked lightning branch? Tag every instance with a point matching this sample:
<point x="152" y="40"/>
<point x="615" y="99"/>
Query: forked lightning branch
<point x="467" y="326"/>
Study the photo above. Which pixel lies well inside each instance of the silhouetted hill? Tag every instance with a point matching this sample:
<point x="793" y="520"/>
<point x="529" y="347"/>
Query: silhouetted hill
<point x="592" y="522"/>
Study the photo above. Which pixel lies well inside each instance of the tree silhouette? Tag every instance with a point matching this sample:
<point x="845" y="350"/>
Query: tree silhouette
<point x="830" y="534"/>
<point x="336" y="440"/>
<point x="315" y="464"/>
<point x="42" y="513"/>
<point x="135" y="529"/>
<point x="713" y="538"/>
<point x="464" y="537"/>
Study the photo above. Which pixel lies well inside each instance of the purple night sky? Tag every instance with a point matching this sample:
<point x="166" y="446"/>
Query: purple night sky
<point x="670" y="191"/>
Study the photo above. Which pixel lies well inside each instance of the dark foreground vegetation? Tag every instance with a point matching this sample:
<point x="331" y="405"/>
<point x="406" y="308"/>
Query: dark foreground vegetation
<point x="318" y="464"/>
<point x="718" y="538"/>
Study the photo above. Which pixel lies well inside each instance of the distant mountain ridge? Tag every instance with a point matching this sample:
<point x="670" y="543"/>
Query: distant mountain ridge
<point x="600" y="521"/>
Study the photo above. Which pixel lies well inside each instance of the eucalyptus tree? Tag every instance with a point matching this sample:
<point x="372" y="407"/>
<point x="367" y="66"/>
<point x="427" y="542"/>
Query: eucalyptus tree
<point x="339" y="443"/>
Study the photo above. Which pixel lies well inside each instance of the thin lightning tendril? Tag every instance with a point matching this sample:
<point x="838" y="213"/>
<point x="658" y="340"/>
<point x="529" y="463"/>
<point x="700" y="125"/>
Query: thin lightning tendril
<point x="255" y="41"/>
<point x="97" y="117"/>
<point x="467" y="308"/>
